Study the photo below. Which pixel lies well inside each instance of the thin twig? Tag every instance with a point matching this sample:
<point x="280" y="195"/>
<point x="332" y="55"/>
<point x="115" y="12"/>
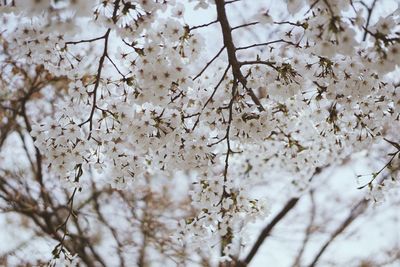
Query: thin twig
<point x="209" y="63"/>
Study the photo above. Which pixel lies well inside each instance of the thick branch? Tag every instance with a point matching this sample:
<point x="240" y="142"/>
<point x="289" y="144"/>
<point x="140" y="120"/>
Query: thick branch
<point x="231" y="50"/>
<point x="267" y="230"/>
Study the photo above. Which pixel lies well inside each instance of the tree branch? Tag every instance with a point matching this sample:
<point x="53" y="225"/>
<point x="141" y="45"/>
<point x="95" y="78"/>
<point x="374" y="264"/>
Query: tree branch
<point x="231" y="51"/>
<point x="267" y="230"/>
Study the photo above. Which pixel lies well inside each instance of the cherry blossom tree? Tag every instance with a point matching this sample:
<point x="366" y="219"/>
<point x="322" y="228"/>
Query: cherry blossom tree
<point x="139" y="133"/>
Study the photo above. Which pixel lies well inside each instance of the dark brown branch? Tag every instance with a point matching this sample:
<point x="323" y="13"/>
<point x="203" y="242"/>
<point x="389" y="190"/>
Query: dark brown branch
<point x="84" y="41"/>
<point x="209" y="63"/>
<point x="231" y="51"/>
<point x="245" y="25"/>
<point x="115" y="66"/>
<point x="231" y="2"/>
<point x="202" y="25"/>
<point x="260" y="62"/>
<point x="97" y="83"/>
<point x="210" y="98"/>
<point x="100" y="68"/>
<point x="266" y="44"/>
<point x="376" y="174"/>
<point x="227" y="239"/>
<point x="267" y="230"/>
<point x="216" y="87"/>
<point x="370" y="10"/>
<point x="297" y="24"/>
